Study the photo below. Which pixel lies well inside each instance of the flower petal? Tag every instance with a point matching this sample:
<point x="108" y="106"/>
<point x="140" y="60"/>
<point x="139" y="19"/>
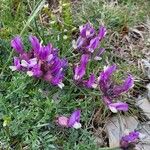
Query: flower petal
<point x="80" y="42"/>
<point x="32" y="62"/>
<point x="93" y="44"/>
<point x="102" y="32"/>
<point x="119" y="106"/>
<point x="127" y="84"/>
<point x="75" y="117"/>
<point x="17" y="44"/>
<point x="105" y="78"/>
<point x="35" y="71"/>
<point x="90" y="83"/>
<point x="77" y="125"/>
<point x="87" y="31"/>
<point x="132" y="137"/>
<point x="79" y="70"/>
<point x="35" y="44"/>
<point x="62" y="121"/>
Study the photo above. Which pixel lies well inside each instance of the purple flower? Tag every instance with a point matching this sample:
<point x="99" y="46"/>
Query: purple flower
<point x="55" y="75"/>
<point x="58" y="79"/>
<point x="105" y="78"/>
<point x="62" y="121"/>
<point x="70" y="122"/>
<point x="111" y="91"/>
<point x="44" y="52"/>
<point x="102" y="32"/>
<point x="79" y="70"/>
<point x="91" y="82"/>
<point x="30" y="63"/>
<point x="17" y="44"/>
<point x="36" y="46"/>
<point x="42" y="61"/>
<point x="17" y="65"/>
<point x="127" y="84"/>
<point x="93" y="44"/>
<point x="114" y="107"/>
<point x="89" y="40"/>
<point x="35" y="71"/>
<point x="87" y="31"/>
<point x="132" y="137"/>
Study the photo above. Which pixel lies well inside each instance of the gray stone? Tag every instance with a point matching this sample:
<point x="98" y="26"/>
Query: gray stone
<point x="144" y="105"/>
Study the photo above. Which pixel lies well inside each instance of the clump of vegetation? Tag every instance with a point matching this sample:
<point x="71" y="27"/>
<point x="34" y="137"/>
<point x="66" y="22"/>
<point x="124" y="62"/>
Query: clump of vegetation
<point x="35" y="114"/>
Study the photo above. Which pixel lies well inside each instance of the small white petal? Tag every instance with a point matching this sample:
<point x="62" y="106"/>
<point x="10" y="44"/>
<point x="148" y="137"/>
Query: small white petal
<point x="105" y="68"/>
<point x="126" y="132"/>
<point x="76" y="77"/>
<point x="142" y="136"/>
<point x="77" y="125"/>
<point x="81" y="27"/>
<point x="91" y="50"/>
<point x="61" y="85"/>
<point x="50" y="57"/>
<point x="13" y="68"/>
<point x="88" y="33"/>
<point x="74" y="44"/>
<point x="33" y="60"/>
<point x="24" y="63"/>
<point x="94" y="86"/>
<point x="30" y="73"/>
<point x="132" y="86"/>
<point x="98" y="79"/>
<point x="97" y="58"/>
<point x="113" y="109"/>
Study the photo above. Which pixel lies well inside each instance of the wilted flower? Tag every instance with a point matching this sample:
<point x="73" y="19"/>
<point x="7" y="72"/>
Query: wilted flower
<point x="70" y="122"/>
<point x="89" y="40"/>
<point x="131" y="138"/>
<point x="111" y="91"/>
<point x="41" y="62"/>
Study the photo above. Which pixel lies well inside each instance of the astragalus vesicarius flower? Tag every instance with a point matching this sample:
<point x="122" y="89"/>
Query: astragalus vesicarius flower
<point x="131" y="138"/>
<point x="89" y="40"/>
<point x="41" y="62"/>
<point x="111" y="91"/>
<point x="70" y="122"/>
<point x="80" y="70"/>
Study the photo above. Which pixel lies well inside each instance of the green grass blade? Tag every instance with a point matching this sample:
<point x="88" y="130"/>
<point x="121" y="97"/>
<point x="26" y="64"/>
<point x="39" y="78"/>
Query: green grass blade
<point x="34" y="13"/>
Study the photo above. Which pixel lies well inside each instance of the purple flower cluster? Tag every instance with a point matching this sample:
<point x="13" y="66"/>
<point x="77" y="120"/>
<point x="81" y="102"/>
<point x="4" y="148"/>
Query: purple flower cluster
<point x="70" y="122"/>
<point x="88" y="40"/>
<point x="87" y="43"/>
<point x="131" y="138"/>
<point x="41" y="62"/>
<point x="111" y="90"/>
